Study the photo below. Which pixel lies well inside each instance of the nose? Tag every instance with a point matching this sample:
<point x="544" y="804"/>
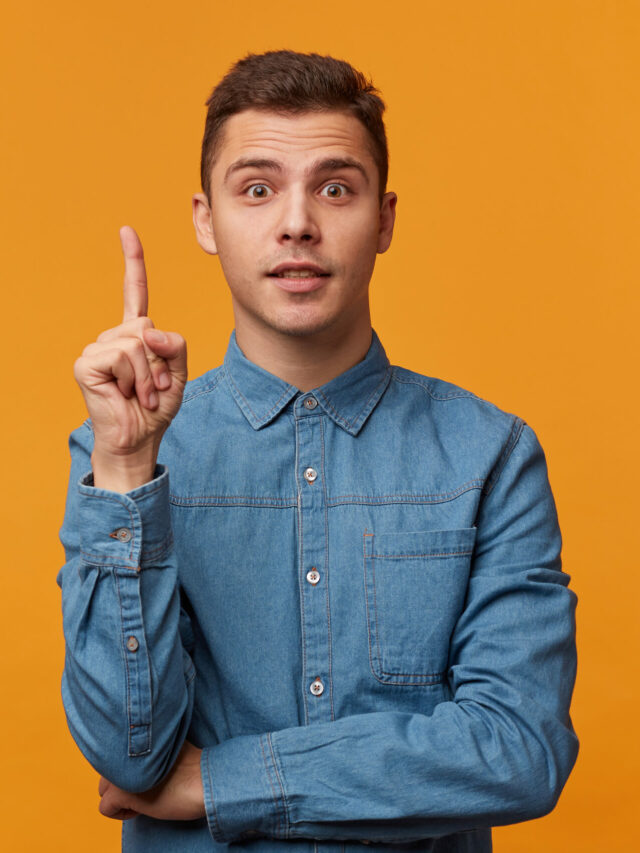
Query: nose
<point x="298" y="223"/>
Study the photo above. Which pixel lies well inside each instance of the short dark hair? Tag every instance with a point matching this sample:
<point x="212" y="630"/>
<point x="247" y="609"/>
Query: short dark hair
<point x="288" y="82"/>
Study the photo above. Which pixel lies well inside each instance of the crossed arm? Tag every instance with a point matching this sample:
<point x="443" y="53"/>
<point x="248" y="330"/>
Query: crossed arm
<point x="498" y="752"/>
<point x="178" y="797"/>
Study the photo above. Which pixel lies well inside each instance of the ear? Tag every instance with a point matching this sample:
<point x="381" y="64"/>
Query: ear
<point x="387" y="220"/>
<point x="203" y="223"/>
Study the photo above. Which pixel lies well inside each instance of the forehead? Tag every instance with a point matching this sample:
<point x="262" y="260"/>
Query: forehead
<point x="294" y="137"/>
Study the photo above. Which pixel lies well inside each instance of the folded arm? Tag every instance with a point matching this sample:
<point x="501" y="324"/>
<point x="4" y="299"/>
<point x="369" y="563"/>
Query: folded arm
<point x="498" y="752"/>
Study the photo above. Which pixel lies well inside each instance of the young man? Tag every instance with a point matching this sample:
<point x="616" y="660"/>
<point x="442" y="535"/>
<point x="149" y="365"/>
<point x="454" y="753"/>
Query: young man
<point x="311" y="600"/>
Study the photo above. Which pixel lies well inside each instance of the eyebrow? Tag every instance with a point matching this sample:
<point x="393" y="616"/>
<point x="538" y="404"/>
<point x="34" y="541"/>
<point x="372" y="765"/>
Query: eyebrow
<point x="328" y="164"/>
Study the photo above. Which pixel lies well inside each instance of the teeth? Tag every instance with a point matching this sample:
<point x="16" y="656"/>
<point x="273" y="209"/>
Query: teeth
<point x="297" y="274"/>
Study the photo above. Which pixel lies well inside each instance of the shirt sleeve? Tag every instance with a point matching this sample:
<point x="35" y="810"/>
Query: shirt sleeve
<point x="127" y="683"/>
<point x="498" y="752"/>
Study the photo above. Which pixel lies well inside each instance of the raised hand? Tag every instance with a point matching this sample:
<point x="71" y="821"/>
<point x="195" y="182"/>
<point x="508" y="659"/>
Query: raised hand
<point x="132" y="379"/>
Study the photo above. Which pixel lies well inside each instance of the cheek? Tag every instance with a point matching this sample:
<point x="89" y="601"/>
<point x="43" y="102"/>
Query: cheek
<point x="240" y="235"/>
<point x="356" y="241"/>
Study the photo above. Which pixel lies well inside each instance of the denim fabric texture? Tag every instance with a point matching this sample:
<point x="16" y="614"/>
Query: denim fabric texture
<point x="350" y="598"/>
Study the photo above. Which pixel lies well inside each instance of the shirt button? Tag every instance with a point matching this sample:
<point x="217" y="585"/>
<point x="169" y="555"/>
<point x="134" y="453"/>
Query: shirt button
<point x="313" y="576"/>
<point x="310" y="403"/>
<point x="132" y="644"/>
<point x="317" y="687"/>
<point x="310" y="474"/>
<point x="122" y="534"/>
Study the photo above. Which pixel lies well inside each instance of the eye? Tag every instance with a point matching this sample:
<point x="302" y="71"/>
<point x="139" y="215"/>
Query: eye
<point x="334" y="190"/>
<point x="258" y="191"/>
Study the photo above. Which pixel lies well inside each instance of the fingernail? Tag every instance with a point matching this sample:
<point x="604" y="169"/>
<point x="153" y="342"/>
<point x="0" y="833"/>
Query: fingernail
<point x="163" y="380"/>
<point x="156" y="336"/>
<point x="153" y="399"/>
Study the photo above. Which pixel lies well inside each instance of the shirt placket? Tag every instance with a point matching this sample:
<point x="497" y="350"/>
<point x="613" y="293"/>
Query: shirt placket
<point x="313" y="562"/>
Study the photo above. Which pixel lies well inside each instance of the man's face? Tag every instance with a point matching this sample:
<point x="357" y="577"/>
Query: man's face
<point x="296" y="219"/>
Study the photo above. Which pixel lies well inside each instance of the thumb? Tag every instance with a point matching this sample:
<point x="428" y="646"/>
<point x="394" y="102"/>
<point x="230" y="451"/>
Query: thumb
<point x="170" y="346"/>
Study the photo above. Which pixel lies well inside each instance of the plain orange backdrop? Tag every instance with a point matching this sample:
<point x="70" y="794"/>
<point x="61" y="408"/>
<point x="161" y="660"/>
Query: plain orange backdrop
<point x="513" y="130"/>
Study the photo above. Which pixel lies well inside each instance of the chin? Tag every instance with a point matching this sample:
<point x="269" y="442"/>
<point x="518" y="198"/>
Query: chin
<point x="300" y="327"/>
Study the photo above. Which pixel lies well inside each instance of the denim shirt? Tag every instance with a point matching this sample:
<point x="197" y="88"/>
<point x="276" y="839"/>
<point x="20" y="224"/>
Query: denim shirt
<point x="350" y="598"/>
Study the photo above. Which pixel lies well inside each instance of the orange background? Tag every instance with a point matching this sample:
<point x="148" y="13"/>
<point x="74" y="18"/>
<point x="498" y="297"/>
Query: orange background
<point x="513" y="130"/>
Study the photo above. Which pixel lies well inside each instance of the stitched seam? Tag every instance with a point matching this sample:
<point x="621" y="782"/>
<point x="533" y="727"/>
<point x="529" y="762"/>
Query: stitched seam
<point x="213" y="800"/>
<point x="366" y="599"/>
<point x="284" y="799"/>
<point x="158" y="551"/>
<point x="301" y="573"/>
<point x="116" y="562"/>
<point x="463" y="487"/>
<point x="364" y="501"/>
<point x="382" y="671"/>
<point x="326" y="565"/>
<point x="214" y="384"/>
<point x="350" y="424"/>
<point x="338" y="417"/>
<point x="126" y="669"/>
<point x="101" y="560"/>
<point x="273" y="790"/>
<point x="124" y="506"/>
<point x="141" y="499"/>
<point x="512" y="439"/>
<point x="375" y="612"/>
<point x="451" y="396"/>
<point x="276" y="404"/>
<point x="265" y="417"/>
<point x="429" y="554"/>
<point x="239" y="393"/>
<point x="432" y="682"/>
<point x="224" y="499"/>
<point x="364" y="412"/>
<point x="146" y="495"/>
<point x="415" y="674"/>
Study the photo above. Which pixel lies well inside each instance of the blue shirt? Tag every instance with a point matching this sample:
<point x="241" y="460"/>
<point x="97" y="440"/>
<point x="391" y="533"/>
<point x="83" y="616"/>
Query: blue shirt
<point x="350" y="598"/>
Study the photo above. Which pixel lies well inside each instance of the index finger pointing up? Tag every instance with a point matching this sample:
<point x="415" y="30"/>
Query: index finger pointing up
<point x="136" y="295"/>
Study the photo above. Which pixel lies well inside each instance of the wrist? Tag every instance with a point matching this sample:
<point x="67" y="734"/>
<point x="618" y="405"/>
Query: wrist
<point x="123" y="472"/>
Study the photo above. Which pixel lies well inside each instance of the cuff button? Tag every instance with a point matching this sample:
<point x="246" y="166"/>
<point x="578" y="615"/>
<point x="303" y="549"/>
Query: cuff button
<point x="122" y="534"/>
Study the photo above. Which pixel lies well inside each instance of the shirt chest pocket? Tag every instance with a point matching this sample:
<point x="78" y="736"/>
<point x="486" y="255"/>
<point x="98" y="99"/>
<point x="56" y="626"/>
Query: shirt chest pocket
<point x="415" y="585"/>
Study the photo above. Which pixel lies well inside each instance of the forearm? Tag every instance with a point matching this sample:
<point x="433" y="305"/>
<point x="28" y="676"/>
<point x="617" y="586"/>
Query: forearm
<point x="127" y="682"/>
<point x="494" y="755"/>
<point x="499" y="751"/>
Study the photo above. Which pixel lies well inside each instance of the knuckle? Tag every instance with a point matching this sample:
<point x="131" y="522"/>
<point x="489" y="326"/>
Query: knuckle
<point x="78" y="367"/>
<point x="120" y="359"/>
<point x="139" y="324"/>
<point x="133" y="345"/>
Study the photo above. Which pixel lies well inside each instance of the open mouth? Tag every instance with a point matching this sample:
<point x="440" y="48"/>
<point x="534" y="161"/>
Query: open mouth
<point x="299" y="279"/>
<point x="305" y="273"/>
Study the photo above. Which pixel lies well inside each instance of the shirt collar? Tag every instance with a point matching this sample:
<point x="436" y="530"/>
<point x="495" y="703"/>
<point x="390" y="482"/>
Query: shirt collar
<point x="348" y="399"/>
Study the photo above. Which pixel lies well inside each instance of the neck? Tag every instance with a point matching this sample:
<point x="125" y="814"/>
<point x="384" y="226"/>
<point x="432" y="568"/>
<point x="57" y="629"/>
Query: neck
<point x="305" y="361"/>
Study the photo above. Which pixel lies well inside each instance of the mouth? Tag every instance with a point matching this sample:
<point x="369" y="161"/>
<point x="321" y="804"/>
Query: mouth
<point x="298" y="277"/>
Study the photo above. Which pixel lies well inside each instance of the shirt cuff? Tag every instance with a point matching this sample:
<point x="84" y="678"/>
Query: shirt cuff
<point x="243" y="789"/>
<point x="131" y="529"/>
